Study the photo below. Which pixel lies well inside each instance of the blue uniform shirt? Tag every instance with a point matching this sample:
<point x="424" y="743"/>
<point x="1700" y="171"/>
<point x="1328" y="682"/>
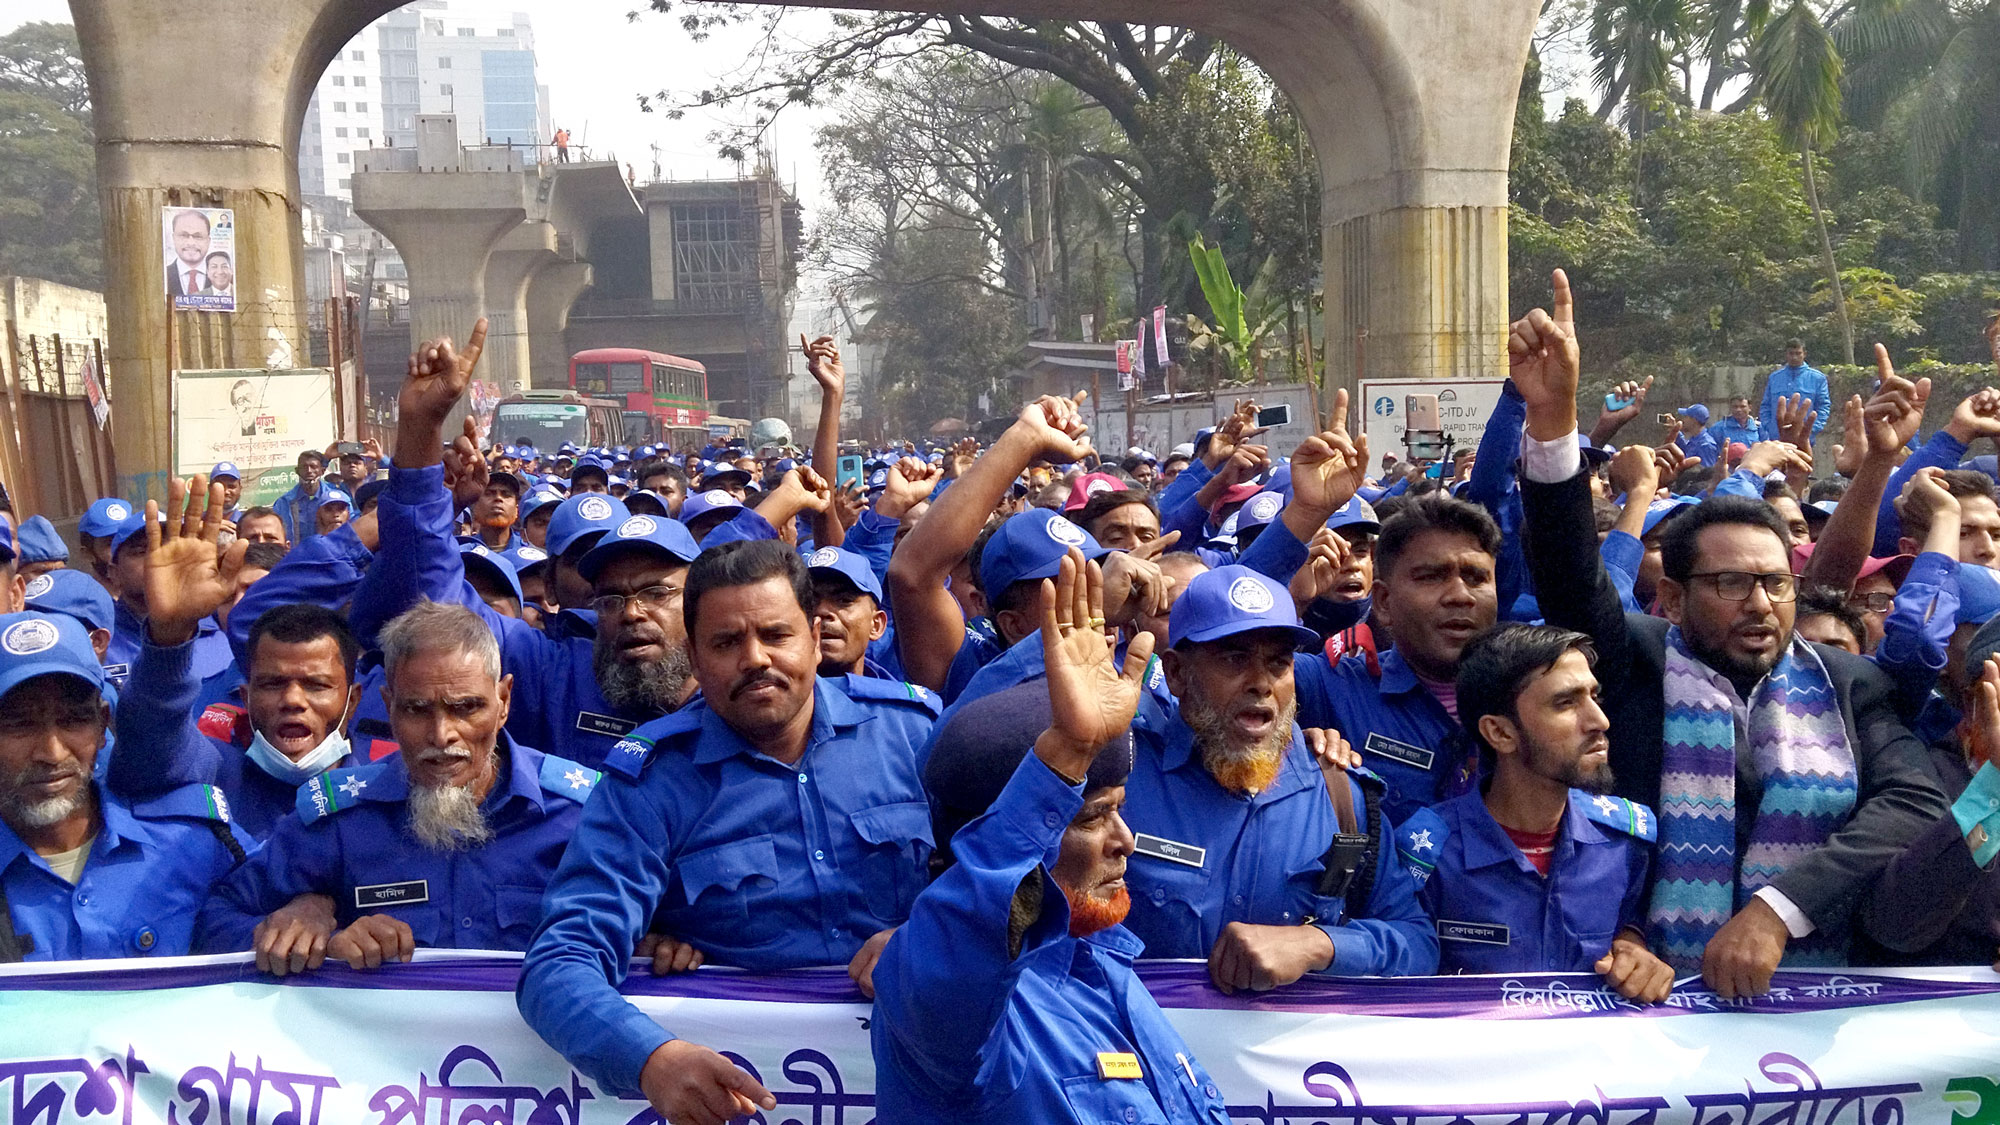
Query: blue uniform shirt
<point x="298" y="510"/>
<point x="1260" y="862"/>
<point x="1706" y="445"/>
<point x="974" y="1025"/>
<point x="1495" y="913"/>
<point x="147" y="874"/>
<point x="759" y="864"/>
<point x="1785" y="382"/>
<point x="1728" y="431"/>
<point x="211" y="657"/>
<point x="1402" y="731"/>
<point x="347" y="837"/>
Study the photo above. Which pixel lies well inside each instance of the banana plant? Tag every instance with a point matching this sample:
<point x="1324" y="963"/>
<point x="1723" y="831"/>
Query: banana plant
<point x="1245" y="320"/>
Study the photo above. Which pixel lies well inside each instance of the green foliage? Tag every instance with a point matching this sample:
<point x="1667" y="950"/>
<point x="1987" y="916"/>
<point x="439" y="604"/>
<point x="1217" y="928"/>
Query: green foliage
<point x="1245" y="321"/>
<point x="1879" y="309"/>
<point x="944" y="338"/>
<point x="49" y="225"/>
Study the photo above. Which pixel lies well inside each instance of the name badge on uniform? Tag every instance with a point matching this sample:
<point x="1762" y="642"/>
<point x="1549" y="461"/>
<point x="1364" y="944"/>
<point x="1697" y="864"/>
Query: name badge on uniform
<point x="1399" y="751"/>
<point x="1159" y="848"/>
<point x="1484" y="933"/>
<point x="1117" y="1064"/>
<point x="593" y="723"/>
<point x="392" y="894"/>
<point x="117" y="671"/>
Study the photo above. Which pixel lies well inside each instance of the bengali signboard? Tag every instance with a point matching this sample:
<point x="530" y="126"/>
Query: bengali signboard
<point x="207" y="1041"/>
<point x="261" y="420"/>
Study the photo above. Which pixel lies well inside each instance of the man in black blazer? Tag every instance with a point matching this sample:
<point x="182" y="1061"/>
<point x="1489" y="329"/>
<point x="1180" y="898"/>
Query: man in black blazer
<point x="1741" y="639"/>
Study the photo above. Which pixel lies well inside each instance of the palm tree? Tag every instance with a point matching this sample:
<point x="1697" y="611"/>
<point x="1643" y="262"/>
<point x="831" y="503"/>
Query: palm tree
<point x="1634" y="43"/>
<point x="1796" y="72"/>
<point x="1949" y="117"/>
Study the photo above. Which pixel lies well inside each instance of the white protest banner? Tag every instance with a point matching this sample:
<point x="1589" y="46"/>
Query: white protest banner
<point x="1464" y="405"/>
<point x="259" y="420"/>
<point x="208" y="1041"/>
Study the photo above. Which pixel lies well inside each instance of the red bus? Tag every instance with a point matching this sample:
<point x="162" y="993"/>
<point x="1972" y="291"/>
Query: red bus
<point x="665" y="396"/>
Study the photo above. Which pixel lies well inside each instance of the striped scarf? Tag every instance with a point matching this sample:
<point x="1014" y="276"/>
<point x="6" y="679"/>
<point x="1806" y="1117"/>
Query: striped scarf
<point x="1798" y="746"/>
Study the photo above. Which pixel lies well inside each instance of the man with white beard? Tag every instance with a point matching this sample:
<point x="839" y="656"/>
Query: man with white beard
<point x="447" y="844"/>
<point x="83" y="872"/>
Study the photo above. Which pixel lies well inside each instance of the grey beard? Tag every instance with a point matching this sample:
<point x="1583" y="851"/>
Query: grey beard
<point x="1211" y="737"/>
<point x="447" y="818"/>
<point x="41" y="814"/>
<point x="642" y="689"/>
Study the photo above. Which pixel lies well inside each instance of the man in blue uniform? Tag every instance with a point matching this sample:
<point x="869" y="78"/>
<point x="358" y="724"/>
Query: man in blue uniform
<point x="84" y="873"/>
<point x="1796" y="378"/>
<point x="297" y="509"/>
<point x="41" y="548"/>
<point x="776" y="822"/>
<point x="1543" y="871"/>
<point x="1435" y="590"/>
<point x="1243" y="856"/>
<point x="847" y="607"/>
<point x="299" y="692"/>
<point x="210" y="655"/>
<point x="449" y="844"/>
<point x="584" y="682"/>
<point x="1009" y="995"/>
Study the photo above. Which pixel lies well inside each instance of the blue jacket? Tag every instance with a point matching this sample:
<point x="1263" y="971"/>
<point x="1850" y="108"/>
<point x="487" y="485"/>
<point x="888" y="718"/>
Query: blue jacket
<point x="161" y="748"/>
<point x="1728" y="432"/>
<point x="298" y="510"/>
<point x="976" y="1022"/>
<point x="347" y="837"/>
<point x="211" y="657"/>
<point x="321" y="571"/>
<point x="1495" y="913"/>
<point x="1705" y="445"/>
<point x="1402" y="731"/>
<point x="1785" y="382"/>
<point x="1917" y="632"/>
<point x="1942" y="451"/>
<point x="148" y="873"/>
<point x="1261" y="860"/>
<point x="763" y="866"/>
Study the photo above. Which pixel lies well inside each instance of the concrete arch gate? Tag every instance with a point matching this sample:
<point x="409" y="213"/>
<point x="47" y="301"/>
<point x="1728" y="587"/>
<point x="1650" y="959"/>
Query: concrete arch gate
<point x="1409" y="103"/>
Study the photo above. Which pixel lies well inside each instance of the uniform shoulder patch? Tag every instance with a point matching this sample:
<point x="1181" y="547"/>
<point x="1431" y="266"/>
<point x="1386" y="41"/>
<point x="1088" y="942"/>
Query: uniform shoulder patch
<point x="333" y="791"/>
<point x="1621" y="815"/>
<point x="1420" y="841"/>
<point x="565" y="778"/>
<point x="199" y="802"/>
<point x="1374" y="782"/>
<point x="870" y="689"/>
<point x="629" y="757"/>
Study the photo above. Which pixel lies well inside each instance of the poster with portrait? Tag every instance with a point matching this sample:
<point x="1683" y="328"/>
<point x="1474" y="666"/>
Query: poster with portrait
<point x="199" y="244"/>
<point x="261" y="420"/>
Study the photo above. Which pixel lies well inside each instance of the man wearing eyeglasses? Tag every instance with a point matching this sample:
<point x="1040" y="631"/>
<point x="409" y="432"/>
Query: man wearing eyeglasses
<point x="1777" y="811"/>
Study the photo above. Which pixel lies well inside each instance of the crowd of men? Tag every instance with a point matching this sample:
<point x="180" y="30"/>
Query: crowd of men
<point x="987" y="724"/>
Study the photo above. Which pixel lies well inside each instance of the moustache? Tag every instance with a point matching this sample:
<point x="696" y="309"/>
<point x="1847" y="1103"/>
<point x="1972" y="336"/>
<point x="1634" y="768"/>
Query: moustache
<point x="433" y="755"/>
<point x="756" y="680"/>
<point x="45" y="775"/>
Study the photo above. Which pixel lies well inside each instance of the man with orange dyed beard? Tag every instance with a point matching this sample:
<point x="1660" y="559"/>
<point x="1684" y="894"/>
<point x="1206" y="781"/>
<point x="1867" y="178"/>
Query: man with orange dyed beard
<point x="1245" y="855"/>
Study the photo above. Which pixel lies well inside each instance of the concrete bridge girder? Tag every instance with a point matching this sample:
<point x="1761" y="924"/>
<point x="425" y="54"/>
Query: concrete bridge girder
<point x="1409" y="104"/>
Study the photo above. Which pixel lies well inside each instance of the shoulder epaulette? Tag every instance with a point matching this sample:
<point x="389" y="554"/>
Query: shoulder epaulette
<point x="331" y="792"/>
<point x="1368" y="778"/>
<point x="869" y="688"/>
<point x="628" y="758"/>
<point x="1419" y="842"/>
<point x="564" y="778"/>
<point x="201" y="802"/>
<point x="1622" y="815"/>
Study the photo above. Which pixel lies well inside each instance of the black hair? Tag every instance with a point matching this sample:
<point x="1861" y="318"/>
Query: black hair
<point x="1795" y="342"/>
<point x="1830" y="488"/>
<point x="659" y="466"/>
<point x="1500" y="663"/>
<point x="745" y="563"/>
<point x="299" y="623"/>
<point x="1604" y="513"/>
<point x="264" y="556"/>
<point x="312" y="453"/>
<point x="1773" y="489"/>
<point x="1826" y="601"/>
<point x="1095" y="508"/>
<point x="1678" y="544"/>
<point x="1962" y="484"/>
<point x="1433" y="513"/>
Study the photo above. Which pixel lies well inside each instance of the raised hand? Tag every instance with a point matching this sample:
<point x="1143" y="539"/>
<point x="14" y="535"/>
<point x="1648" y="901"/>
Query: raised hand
<point x="1134" y="587"/>
<point x="823" y="364"/>
<point x="963" y="453"/>
<point x="848" y="503"/>
<point x="910" y="483"/>
<point x="1544" y="361"/>
<point x="1983" y="724"/>
<point x="186" y="579"/>
<point x="1767" y="457"/>
<point x="1795" y="414"/>
<point x="438" y="374"/>
<point x="1326" y="556"/>
<point x="1330" y="467"/>
<point x="1854" y="438"/>
<point x="1092" y="700"/>
<point x="1233" y="432"/>
<point x="1896" y="412"/>
<point x="1610" y="422"/>
<point x="1054" y="427"/>
<point x="1635" y="473"/>
<point x="1976" y="417"/>
<point x="465" y="471"/>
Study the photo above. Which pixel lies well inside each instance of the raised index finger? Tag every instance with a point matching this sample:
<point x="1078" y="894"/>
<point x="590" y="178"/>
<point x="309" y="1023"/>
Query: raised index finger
<point x="1565" y="305"/>
<point x="476" y="343"/>
<point x="1884" y="370"/>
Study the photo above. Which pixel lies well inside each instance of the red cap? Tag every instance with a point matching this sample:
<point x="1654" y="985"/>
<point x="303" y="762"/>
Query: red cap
<point x="1237" y="495"/>
<point x="1089" y="485"/>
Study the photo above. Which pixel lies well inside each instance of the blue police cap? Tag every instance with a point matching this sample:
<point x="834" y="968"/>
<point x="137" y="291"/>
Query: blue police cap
<point x="1230" y="600"/>
<point x="331" y="495"/>
<point x="478" y="556"/>
<point x="591" y="513"/>
<point x="538" y="498"/>
<point x="1031" y="545"/>
<point x="1978" y="594"/>
<point x="224" y="469"/>
<point x="74" y="593"/>
<point x="705" y="501"/>
<point x="1660" y="511"/>
<point x="723" y="475"/>
<point x="1357" y="514"/>
<point x="368" y="491"/>
<point x="655" y="535"/>
<point x="848" y="565"/>
<point x="103" y="517"/>
<point x="133" y="524"/>
<point x="42" y="644"/>
<point x="1259" y="510"/>
<point x="525" y="558"/>
<point x="39" y="542"/>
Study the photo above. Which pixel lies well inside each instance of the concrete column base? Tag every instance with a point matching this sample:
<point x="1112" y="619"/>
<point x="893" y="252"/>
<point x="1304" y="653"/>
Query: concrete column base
<point x="522" y="251"/>
<point x="1416" y="293"/>
<point x="551" y="292"/>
